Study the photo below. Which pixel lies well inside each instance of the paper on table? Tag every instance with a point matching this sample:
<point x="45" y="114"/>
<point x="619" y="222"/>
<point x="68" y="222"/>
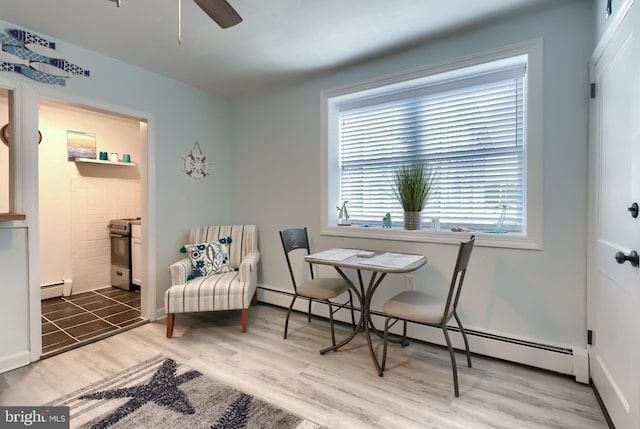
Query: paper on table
<point x="335" y="254"/>
<point x="392" y="260"/>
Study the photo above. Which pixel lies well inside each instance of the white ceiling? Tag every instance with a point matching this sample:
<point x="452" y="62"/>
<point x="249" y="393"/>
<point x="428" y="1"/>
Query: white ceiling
<point x="278" y="41"/>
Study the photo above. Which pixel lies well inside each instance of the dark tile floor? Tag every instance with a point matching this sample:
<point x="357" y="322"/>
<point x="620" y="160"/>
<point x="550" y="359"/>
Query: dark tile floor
<point x="69" y="322"/>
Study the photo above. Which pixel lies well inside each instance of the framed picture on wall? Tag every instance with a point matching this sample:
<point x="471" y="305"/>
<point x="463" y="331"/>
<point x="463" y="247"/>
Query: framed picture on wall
<point x="80" y="145"/>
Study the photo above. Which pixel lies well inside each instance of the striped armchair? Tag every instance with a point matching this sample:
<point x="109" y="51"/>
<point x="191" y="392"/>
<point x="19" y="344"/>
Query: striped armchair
<point x="234" y="290"/>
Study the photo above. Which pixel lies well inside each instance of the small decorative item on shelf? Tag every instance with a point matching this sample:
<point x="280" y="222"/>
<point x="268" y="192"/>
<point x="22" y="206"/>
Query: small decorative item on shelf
<point x="114" y="157"/>
<point x="126" y="158"/>
<point x="386" y="221"/>
<point x="343" y="215"/>
<point x="104" y="156"/>
<point x="81" y="144"/>
<point x="503" y="214"/>
<point x="435" y="223"/>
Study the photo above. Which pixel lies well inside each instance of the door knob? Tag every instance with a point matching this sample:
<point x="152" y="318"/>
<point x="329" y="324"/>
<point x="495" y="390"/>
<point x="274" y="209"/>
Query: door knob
<point x="631" y="257"/>
<point x="634" y="210"/>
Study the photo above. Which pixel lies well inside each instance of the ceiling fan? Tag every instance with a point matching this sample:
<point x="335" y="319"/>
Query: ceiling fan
<point x="219" y="10"/>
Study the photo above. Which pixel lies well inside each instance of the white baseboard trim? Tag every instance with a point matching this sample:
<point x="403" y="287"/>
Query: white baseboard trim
<point x="160" y="314"/>
<point x="569" y="361"/>
<point x="16" y="360"/>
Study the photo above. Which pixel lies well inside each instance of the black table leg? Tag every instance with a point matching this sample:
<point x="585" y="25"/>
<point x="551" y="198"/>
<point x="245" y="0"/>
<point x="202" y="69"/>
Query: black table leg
<point x="364" y="297"/>
<point x="361" y="323"/>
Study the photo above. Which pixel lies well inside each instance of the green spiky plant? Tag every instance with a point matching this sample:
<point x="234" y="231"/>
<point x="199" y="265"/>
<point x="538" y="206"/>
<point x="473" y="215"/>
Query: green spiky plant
<point x="412" y="185"/>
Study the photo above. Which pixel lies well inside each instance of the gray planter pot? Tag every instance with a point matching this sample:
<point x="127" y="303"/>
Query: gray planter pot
<point x="412" y="220"/>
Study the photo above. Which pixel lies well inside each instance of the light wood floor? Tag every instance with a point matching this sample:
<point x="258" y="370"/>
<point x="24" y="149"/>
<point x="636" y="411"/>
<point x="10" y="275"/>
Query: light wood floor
<point x="339" y="390"/>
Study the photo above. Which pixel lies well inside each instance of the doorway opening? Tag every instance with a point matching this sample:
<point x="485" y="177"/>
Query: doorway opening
<point x="80" y="192"/>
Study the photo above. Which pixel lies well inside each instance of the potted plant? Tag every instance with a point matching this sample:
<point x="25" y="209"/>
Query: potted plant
<point x="412" y="187"/>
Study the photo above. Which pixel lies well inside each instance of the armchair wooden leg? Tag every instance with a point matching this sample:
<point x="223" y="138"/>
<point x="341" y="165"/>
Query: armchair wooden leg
<point x="254" y="300"/>
<point x="170" y="320"/>
<point x="245" y="319"/>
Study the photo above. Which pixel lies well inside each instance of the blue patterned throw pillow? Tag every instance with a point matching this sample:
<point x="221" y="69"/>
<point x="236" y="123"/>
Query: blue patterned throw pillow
<point x="208" y="258"/>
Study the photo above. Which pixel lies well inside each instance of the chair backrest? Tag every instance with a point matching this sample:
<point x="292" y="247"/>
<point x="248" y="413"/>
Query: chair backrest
<point x="464" y="254"/>
<point x="295" y="239"/>
<point x="244" y="239"/>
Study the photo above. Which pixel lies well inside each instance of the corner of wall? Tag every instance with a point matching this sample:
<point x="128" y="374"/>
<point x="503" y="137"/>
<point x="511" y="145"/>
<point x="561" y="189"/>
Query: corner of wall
<point x="581" y="365"/>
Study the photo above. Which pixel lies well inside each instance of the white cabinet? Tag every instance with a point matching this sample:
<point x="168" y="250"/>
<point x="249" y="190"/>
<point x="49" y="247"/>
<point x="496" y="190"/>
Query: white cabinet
<point x="136" y="254"/>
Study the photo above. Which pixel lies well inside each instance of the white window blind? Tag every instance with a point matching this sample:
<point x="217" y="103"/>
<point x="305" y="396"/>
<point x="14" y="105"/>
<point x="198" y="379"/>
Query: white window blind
<point x="470" y="130"/>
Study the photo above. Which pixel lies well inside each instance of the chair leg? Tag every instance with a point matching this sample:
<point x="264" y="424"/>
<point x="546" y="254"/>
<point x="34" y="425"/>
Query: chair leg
<point x="404" y="333"/>
<point x="245" y="319"/>
<point x="464" y="337"/>
<point x="333" y="335"/>
<point x="286" y="320"/>
<point x="309" y="313"/>
<point x="453" y="361"/>
<point x="353" y="317"/>
<point x="385" y="343"/>
<point x="170" y="321"/>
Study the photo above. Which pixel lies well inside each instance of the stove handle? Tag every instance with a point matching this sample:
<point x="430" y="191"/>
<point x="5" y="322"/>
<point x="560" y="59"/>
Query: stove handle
<point x="118" y="235"/>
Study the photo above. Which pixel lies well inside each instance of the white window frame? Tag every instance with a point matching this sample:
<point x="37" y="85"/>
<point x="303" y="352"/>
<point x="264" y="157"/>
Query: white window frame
<point x="532" y="238"/>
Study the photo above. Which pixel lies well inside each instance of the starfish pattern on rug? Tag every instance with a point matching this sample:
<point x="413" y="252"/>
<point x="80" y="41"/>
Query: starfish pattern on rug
<point x="162" y="389"/>
<point x="237" y="415"/>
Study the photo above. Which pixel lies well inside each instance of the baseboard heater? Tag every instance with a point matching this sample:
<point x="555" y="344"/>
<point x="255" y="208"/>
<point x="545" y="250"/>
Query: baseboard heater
<point x="470" y="332"/>
<point x="55" y="289"/>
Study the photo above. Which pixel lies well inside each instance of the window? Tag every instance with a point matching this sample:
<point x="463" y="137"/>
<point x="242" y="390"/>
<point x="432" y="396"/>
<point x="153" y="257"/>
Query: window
<point x="468" y="121"/>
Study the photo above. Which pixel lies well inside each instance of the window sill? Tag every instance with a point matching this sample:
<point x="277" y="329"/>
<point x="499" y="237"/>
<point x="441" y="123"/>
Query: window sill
<point x="509" y="241"/>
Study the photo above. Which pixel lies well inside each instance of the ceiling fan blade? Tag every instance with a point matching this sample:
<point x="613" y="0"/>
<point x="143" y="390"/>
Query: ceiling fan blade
<point x="221" y="12"/>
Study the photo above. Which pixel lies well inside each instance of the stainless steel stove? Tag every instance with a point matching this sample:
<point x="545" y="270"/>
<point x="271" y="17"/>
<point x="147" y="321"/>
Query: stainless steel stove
<point x="120" y="233"/>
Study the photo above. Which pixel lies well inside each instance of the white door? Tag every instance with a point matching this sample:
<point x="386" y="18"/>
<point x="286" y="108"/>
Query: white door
<point x="614" y="288"/>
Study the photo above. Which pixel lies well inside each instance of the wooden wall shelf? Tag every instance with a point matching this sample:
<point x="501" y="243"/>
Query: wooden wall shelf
<point x="97" y="161"/>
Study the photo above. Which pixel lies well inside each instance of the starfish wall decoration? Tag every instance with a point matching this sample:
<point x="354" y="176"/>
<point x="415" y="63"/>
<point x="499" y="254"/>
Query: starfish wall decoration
<point x="195" y="163"/>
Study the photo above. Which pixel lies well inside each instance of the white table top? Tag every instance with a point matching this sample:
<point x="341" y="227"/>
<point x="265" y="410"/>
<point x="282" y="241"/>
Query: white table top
<point x="386" y="262"/>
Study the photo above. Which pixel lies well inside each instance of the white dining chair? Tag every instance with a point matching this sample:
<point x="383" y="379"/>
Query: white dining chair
<point x="429" y="309"/>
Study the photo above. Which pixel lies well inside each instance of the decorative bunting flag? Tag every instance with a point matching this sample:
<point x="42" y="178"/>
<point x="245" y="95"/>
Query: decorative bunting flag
<point x="36" y="58"/>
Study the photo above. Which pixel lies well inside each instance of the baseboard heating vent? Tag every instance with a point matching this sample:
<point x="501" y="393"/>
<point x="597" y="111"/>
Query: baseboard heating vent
<point x="55" y="289"/>
<point x="556" y="358"/>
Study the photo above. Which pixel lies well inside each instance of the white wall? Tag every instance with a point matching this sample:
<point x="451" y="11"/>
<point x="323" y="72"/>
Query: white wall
<point x="14" y="306"/>
<point x="530" y="295"/>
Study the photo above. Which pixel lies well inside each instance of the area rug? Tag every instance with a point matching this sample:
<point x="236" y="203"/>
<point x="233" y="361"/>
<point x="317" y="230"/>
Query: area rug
<point x="161" y="393"/>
